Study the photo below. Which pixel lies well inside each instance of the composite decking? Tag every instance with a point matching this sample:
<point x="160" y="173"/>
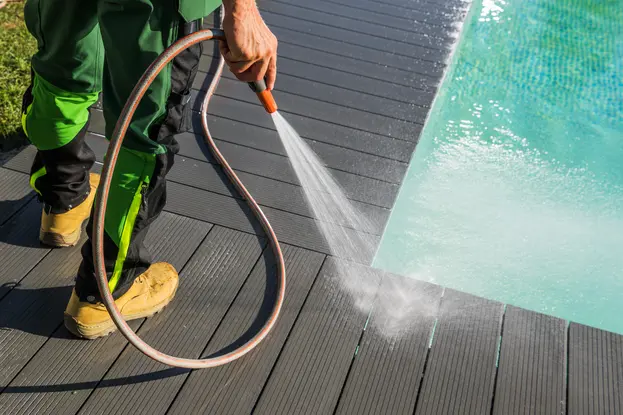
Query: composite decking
<point x="357" y="79"/>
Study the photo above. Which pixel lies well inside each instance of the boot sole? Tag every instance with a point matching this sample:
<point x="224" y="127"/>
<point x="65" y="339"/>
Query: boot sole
<point x="107" y="327"/>
<point x="56" y="240"/>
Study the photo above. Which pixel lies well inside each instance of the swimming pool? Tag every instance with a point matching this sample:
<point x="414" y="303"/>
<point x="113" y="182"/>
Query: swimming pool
<point x="515" y="191"/>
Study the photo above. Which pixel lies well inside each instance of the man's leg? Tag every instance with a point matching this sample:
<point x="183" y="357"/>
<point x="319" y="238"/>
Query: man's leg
<point x="66" y="80"/>
<point x="134" y="33"/>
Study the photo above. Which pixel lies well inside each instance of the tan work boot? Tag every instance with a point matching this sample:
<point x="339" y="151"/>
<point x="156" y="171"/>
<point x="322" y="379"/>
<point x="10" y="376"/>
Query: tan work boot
<point x="64" y="229"/>
<point x="150" y="293"/>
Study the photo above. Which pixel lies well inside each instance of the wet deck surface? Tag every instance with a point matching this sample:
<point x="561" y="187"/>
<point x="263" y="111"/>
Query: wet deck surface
<point x="360" y="98"/>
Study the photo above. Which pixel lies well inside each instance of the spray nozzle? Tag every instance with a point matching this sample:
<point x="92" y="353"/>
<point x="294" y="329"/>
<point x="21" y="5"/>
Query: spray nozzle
<point x="264" y="95"/>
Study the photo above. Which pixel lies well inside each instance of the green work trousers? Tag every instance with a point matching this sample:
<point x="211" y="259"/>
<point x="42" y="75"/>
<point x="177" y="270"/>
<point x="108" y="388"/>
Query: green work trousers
<point x="92" y="46"/>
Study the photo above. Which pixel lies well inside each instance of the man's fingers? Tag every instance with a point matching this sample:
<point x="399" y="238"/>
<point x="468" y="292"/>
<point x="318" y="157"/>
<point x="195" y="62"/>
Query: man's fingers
<point x="255" y="73"/>
<point x="223" y="48"/>
<point x="258" y="70"/>
<point x="246" y="77"/>
<point x="238" y="68"/>
<point x="271" y="73"/>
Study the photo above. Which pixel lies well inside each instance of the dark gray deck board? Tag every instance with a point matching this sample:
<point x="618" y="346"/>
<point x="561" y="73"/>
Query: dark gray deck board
<point x="174" y="239"/>
<point x="203" y="205"/>
<point x="460" y="372"/>
<point x="346" y="161"/>
<point x="422" y="58"/>
<point x="430" y="5"/>
<point x="278" y="167"/>
<point x="440" y="13"/>
<point x="434" y="26"/>
<point x="208" y="285"/>
<point x="326" y="112"/>
<point x="59" y="378"/>
<point x="14" y="194"/>
<point x="32" y="311"/>
<point x="20" y="250"/>
<point x="595" y="371"/>
<point x="337" y="149"/>
<point x="217" y="206"/>
<point x="375" y="89"/>
<point x="236" y="386"/>
<point x="347" y="44"/>
<point x="445" y="9"/>
<point x="268" y="193"/>
<point x="314" y="363"/>
<point x="374" y="65"/>
<point x="369" y="96"/>
<point x="232" y="213"/>
<point x="361" y="161"/>
<point x="388" y="367"/>
<point x="373" y="105"/>
<point x="275" y="166"/>
<point x="532" y="365"/>
<point x="22" y="161"/>
<point x="427" y="45"/>
<point x="309" y="128"/>
<point x="56" y="380"/>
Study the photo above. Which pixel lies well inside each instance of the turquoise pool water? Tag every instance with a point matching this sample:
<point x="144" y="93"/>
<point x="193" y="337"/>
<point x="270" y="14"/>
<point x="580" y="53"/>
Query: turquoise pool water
<point x="515" y="192"/>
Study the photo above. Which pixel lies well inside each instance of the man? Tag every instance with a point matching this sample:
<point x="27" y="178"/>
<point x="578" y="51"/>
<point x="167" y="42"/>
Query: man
<point x="93" y="46"/>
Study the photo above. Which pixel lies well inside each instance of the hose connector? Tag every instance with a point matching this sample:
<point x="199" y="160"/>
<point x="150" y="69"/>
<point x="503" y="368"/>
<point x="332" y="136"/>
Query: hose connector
<point x="264" y="95"/>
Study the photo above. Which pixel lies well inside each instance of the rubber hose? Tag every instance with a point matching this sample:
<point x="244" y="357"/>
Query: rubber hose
<point x="101" y="201"/>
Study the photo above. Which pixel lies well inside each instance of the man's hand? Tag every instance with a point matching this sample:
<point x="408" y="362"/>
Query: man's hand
<point x="251" y="48"/>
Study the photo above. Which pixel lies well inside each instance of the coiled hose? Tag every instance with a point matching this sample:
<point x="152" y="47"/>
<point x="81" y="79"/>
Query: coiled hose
<point x="100" y="209"/>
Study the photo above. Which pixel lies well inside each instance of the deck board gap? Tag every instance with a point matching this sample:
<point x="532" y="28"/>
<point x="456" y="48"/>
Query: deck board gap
<point x="497" y="361"/>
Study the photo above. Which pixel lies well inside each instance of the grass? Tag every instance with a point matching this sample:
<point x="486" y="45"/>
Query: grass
<point x="16" y="48"/>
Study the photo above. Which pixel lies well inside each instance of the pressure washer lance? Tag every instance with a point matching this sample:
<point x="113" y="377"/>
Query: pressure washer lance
<point x="116" y="140"/>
